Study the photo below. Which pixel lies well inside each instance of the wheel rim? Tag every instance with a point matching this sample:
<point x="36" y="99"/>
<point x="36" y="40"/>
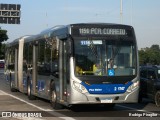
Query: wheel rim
<point x="11" y="84"/>
<point x="53" y="96"/>
<point x="29" y="90"/>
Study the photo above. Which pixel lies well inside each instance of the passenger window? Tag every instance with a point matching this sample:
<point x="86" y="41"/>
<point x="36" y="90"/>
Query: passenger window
<point x="47" y="58"/>
<point x="43" y="63"/>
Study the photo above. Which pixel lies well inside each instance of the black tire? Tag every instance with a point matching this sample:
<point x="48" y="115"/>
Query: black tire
<point x="53" y="100"/>
<point x="29" y="93"/>
<point x="12" y="89"/>
<point x="157" y="98"/>
<point x="140" y="98"/>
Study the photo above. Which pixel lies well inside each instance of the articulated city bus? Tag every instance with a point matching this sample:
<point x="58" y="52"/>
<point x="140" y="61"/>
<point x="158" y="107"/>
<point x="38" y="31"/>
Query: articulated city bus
<point x="76" y="64"/>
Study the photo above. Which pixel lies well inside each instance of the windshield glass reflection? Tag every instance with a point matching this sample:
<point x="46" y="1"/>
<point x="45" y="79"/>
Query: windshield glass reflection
<point x="105" y="57"/>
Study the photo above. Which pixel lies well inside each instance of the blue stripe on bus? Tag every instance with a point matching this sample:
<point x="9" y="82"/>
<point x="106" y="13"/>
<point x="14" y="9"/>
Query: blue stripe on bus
<point x="41" y="85"/>
<point x="25" y="82"/>
<point x="106" y="88"/>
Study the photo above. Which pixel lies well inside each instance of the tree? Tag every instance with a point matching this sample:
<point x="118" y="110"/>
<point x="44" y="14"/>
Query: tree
<point x="155" y="47"/>
<point x="150" y="55"/>
<point x="2" y="51"/>
<point x="143" y="57"/>
<point x="3" y="37"/>
<point x="154" y="54"/>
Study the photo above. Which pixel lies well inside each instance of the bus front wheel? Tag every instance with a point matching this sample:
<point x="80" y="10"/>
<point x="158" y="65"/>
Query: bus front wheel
<point x="53" y="101"/>
<point x="11" y="85"/>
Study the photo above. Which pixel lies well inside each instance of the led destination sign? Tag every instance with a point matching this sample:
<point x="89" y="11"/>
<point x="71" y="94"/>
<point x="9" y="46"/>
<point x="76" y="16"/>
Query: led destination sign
<point x="101" y="31"/>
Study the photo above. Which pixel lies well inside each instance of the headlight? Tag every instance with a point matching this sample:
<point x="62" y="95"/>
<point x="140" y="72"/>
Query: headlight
<point x="79" y="87"/>
<point x="133" y="86"/>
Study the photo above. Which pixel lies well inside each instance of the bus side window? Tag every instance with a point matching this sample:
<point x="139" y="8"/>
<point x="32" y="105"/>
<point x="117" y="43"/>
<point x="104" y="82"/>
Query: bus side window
<point x="24" y="66"/>
<point x="55" y="68"/>
<point x="11" y="66"/>
<point x="44" y="59"/>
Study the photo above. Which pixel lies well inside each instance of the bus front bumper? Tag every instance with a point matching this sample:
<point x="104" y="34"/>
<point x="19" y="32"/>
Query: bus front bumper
<point x="86" y="98"/>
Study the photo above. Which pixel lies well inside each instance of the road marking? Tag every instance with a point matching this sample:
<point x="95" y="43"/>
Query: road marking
<point x="58" y="114"/>
<point x="2" y="93"/>
<point x="54" y="112"/>
<point x="137" y="109"/>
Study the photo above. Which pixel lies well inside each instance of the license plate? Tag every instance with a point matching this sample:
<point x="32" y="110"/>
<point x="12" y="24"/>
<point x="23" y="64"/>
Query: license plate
<point x="106" y="100"/>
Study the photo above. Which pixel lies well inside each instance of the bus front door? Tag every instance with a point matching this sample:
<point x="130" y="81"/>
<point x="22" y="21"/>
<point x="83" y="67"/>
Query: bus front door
<point x="64" y="69"/>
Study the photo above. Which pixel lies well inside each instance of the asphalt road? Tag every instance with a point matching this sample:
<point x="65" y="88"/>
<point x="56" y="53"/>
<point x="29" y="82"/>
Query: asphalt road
<point x="16" y="106"/>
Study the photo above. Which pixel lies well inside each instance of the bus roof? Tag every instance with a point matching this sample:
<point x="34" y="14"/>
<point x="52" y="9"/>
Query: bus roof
<point x="61" y="31"/>
<point x="104" y="24"/>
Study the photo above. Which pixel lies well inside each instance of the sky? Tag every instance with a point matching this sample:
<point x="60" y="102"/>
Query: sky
<point x="38" y="15"/>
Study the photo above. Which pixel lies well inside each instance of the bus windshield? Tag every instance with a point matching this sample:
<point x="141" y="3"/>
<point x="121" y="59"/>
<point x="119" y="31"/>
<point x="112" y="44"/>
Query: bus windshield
<point x="105" y="57"/>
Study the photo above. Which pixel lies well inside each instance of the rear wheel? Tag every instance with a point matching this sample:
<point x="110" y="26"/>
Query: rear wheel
<point x="140" y="98"/>
<point x="53" y="101"/>
<point x="157" y="98"/>
<point x="29" y="93"/>
<point x="12" y="86"/>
